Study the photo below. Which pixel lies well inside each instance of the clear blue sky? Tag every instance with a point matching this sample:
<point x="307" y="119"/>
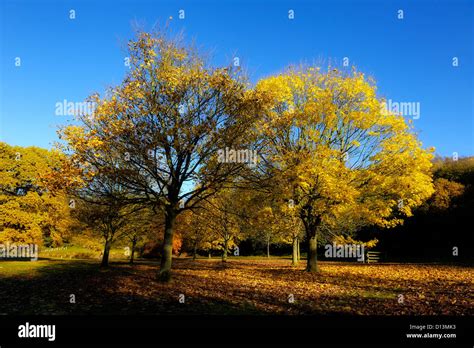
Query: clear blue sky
<point x="411" y="59"/>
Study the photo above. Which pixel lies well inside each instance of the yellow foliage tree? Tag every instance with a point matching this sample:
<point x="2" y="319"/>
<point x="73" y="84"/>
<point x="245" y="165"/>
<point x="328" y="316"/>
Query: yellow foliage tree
<point x="160" y="131"/>
<point x="337" y="153"/>
<point x="445" y="192"/>
<point x="29" y="212"/>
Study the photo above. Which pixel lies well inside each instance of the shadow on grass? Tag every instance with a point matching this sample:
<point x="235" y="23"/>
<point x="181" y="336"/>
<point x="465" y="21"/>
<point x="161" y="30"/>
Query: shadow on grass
<point x="82" y="287"/>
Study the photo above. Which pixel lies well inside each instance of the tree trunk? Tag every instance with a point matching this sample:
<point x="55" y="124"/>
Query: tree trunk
<point x="268" y="247"/>
<point x="195" y="250"/>
<point x="134" y="243"/>
<point x="298" y="255"/>
<point x="105" y="255"/>
<point x="209" y="254"/>
<point x="167" y="251"/>
<point x="312" y="262"/>
<point x="224" y="253"/>
<point x="294" y="259"/>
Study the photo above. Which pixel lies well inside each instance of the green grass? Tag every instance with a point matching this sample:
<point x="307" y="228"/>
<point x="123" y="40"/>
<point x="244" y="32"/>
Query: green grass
<point x="20" y="268"/>
<point x="41" y="267"/>
<point x="78" y="252"/>
<point x="382" y="295"/>
<point x="244" y="257"/>
<point x="69" y="252"/>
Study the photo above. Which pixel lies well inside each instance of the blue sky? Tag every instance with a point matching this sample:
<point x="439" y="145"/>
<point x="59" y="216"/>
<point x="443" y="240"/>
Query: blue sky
<point x="411" y="59"/>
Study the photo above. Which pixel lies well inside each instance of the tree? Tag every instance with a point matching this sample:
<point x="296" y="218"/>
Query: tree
<point x="222" y="214"/>
<point x="195" y="231"/>
<point x="138" y="229"/>
<point x="29" y="212"/>
<point x="267" y="226"/>
<point x="274" y="223"/>
<point x="460" y="170"/>
<point x="102" y="202"/>
<point x="109" y="218"/>
<point x="168" y="120"/>
<point x="445" y="192"/>
<point x="339" y="153"/>
<point x="293" y="229"/>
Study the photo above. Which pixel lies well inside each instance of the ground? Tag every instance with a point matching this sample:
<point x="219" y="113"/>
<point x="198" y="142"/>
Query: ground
<point x="241" y="286"/>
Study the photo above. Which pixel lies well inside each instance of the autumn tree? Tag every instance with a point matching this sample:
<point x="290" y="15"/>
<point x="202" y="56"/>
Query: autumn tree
<point x="29" y="212"/>
<point x="339" y="152"/>
<point x="292" y="229"/>
<point x="273" y="222"/>
<point x="445" y="192"/>
<point x="279" y="224"/>
<point x="108" y="219"/>
<point x="267" y="227"/>
<point x="460" y="169"/>
<point x="167" y="121"/>
<point x="195" y="231"/>
<point x="224" y="219"/>
<point x="139" y="228"/>
<point x="100" y="201"/>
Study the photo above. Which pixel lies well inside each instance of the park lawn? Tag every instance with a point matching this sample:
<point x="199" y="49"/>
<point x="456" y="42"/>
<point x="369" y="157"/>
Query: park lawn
<point x="78" y="252"/>
<point x="21" y="268"/>
<point x="241" y="286"/>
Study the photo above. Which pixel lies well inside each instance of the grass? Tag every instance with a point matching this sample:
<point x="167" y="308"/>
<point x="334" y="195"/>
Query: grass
<point x="21" y="268"/>
<point x="77" y="252"/>
<point x="244" y="285"/>
<point x="245" y="257"/>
